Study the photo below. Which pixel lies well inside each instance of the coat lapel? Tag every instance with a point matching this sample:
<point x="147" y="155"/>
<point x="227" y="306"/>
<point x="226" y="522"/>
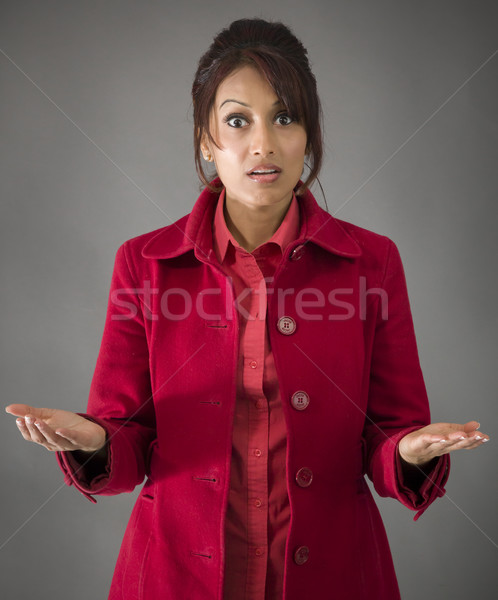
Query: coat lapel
<point x="194" y="232"/>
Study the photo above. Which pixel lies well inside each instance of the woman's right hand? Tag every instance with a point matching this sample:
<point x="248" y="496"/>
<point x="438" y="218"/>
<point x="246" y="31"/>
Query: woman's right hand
<point x="57" y="430"/>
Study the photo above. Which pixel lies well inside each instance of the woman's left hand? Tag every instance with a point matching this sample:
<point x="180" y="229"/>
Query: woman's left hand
<point x="436" y="439"/>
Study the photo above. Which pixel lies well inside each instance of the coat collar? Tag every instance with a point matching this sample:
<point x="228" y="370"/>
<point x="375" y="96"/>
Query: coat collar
<point x="287" y="232"/>
<point x="194" y="231"/>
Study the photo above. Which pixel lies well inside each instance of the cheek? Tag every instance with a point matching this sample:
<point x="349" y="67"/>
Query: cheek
<point x="297" y="154"/>
<point x="296" y="147"/>
<point x="229" y="158"/>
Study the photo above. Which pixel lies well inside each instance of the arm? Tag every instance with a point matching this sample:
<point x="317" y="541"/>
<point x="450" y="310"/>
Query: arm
<point x="120" y="398"/>
<point x="397" y="402"/>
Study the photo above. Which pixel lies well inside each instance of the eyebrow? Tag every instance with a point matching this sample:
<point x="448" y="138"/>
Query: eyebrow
<point x="243" y="103"/>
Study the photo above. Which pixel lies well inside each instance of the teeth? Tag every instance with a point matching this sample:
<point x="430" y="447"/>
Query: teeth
<point x="263" y="172"/>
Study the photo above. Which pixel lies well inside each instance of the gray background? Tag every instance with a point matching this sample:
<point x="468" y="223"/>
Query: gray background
<point x="121" y="72"/>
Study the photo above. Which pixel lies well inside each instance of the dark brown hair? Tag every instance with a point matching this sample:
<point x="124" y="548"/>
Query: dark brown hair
<point x="282" y="59"/>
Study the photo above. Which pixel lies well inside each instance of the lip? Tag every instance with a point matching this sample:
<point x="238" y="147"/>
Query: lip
<point x="270" y="178"/>
<point x="265" y="167"/>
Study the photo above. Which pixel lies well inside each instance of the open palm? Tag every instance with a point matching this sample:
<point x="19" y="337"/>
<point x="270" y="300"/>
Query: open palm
<point x="436" y="439"/>
<point x="57" y="430"/>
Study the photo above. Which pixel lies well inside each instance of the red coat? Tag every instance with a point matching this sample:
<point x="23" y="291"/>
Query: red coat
<point x="164" y="389"/>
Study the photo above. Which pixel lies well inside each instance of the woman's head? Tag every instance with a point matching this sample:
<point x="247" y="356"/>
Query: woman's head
<point x="274" y="55"/>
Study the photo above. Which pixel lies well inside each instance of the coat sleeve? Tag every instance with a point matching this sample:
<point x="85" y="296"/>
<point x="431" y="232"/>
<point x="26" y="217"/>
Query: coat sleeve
<point x="120" y="398"/>
<point x="397" y="399"/>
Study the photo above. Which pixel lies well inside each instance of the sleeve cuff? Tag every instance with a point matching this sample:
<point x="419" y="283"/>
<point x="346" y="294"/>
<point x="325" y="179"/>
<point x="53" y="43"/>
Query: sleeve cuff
<point x="420" y="492"/>
<point x="75" y="472"/>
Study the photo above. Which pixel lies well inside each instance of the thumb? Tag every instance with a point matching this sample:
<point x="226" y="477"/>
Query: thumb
<point x="471" y="426"/>
<point x="22" y="410"/>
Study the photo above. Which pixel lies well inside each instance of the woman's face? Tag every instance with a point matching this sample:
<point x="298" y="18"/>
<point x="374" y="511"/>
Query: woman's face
<point x="253" y="130"/>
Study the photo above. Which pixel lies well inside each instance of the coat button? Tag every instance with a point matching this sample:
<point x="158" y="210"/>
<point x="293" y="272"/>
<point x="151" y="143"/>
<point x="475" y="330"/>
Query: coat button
<point x="297" y="253"/>
<point x="300" y="400"/>
<point x="286" y="325"/>
<point x="301" y="555"/>
<point x="304" y="477"/>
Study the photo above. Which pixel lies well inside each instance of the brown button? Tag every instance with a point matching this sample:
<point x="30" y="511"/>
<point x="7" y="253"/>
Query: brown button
<point x="286" y="325"/>
<point x="301" y="555"/>
<point x="297" y="253"/>
<point x="304" y="477"/>
<point x="300" y="400"/>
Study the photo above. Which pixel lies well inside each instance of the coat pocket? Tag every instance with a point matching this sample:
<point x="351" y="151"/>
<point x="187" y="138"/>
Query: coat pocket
<point x="138" y="538"/>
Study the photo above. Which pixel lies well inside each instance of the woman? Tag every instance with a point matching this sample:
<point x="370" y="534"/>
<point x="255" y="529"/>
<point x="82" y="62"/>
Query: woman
<point x="258" y="359"/>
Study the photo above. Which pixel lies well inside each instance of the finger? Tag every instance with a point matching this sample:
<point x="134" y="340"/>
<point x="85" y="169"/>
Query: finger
<point x="456" y="436"/>
<point x="443" y="446"/>
<point x="23" y="429"/>
<point x="424" y="441"/>
<point x="475" y="435"/>
<point x="452" y="437"/>
<point x="436" y="439"/>
<point x="56" y="442"/>
<point x="475" y="444"/>
<point x="34" y="432"/>
<point x="480" y="438"/>
<point x="449" y="444"/>
<point x="466" y="443"/>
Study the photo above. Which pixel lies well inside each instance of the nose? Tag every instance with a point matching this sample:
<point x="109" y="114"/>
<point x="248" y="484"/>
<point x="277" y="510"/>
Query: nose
<point x="263" y="140"/>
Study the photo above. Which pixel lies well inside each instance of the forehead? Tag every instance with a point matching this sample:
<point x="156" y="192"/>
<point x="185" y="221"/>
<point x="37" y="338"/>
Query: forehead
<point x="247" y="85"/>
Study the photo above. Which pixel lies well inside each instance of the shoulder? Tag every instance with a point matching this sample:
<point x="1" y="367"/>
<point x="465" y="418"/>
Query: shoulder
<point x="376" y="248"/>
<point x="174" y="234"/>
<point x="366" y="238"/>
<point x="132" y="253"/>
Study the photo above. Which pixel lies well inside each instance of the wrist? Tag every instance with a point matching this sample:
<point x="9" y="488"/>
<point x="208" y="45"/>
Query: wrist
<point x="410" y="459"/>
<point x="414" y="462"/>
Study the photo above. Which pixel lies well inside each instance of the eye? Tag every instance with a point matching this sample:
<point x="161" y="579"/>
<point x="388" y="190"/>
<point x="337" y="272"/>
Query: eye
<point x="235" y="121"/>
<point x="284" y="116"/>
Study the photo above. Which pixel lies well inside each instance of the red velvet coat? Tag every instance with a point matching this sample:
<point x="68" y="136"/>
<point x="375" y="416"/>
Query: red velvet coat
<point x="164" y="389"/>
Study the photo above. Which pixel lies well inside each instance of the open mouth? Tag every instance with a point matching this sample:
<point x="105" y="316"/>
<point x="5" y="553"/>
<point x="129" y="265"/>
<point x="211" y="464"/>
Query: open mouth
<point x="264" y="173"/>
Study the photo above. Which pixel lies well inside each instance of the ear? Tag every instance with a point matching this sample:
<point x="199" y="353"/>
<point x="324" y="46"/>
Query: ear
<point x="204" y="144"/>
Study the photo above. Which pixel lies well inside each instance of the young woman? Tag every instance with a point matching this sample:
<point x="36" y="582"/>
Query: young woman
<point x="258" y="359"/>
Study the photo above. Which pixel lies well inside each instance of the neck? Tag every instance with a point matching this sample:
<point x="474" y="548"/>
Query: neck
<point x="253" y="226"/>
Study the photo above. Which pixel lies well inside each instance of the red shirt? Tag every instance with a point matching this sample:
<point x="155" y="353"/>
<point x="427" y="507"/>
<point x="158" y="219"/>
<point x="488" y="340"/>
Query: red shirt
<point x="258" y="512"/>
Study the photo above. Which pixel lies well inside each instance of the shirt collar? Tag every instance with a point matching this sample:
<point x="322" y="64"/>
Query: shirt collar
<point x="222" y="238"/>
<point x="194" y="231"/>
